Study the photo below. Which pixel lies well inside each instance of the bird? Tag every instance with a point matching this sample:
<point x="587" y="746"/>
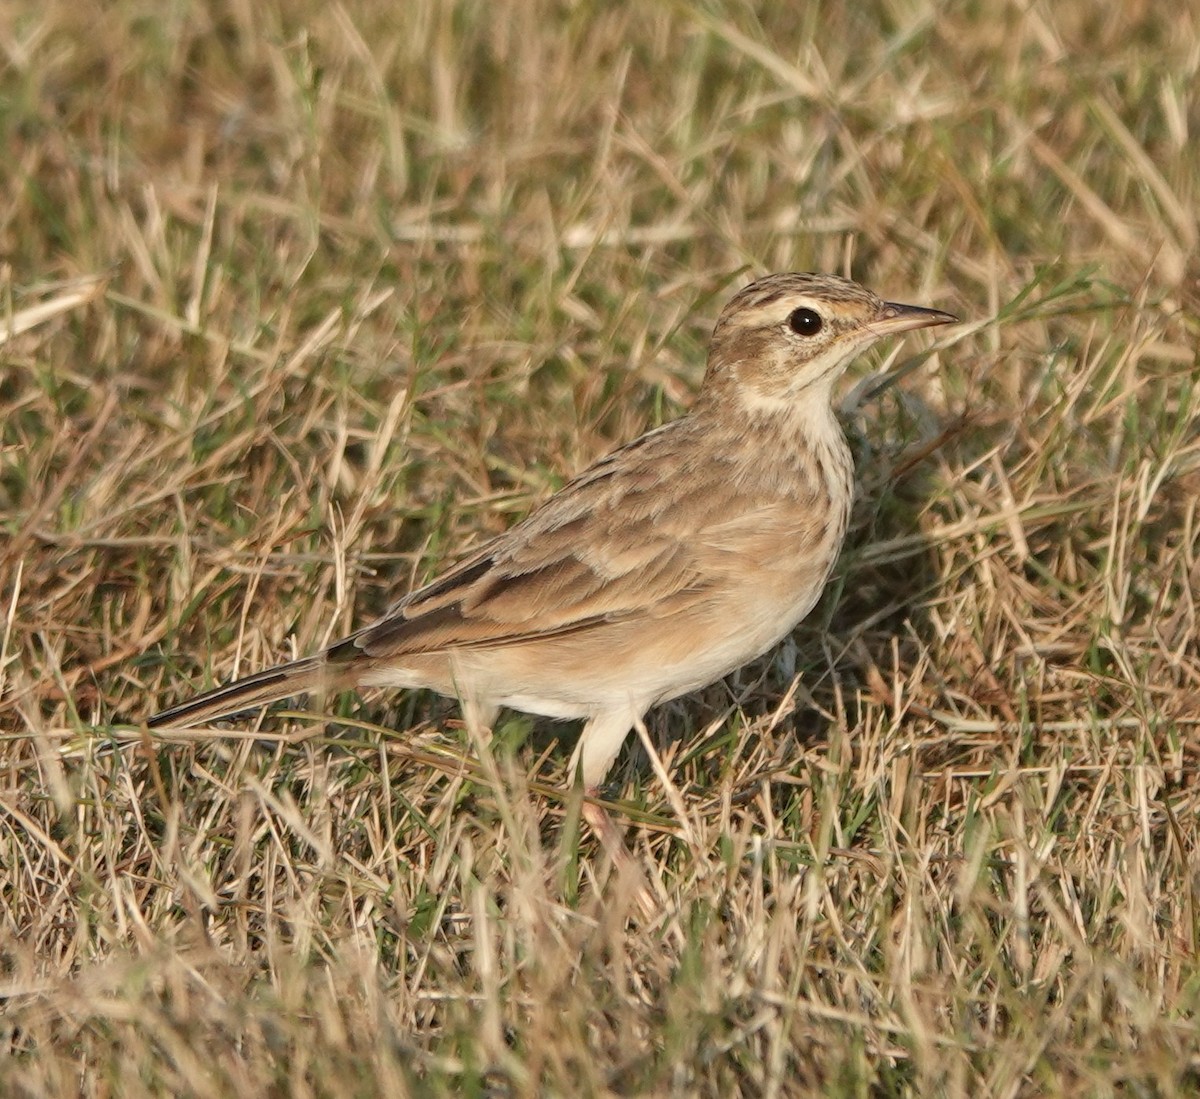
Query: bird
<point x="660" y="568"/>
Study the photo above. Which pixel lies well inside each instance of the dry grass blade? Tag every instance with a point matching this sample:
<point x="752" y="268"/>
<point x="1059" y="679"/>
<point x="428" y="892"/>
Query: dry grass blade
<point x="381" y="277"/>
<point x="62" y="300"/>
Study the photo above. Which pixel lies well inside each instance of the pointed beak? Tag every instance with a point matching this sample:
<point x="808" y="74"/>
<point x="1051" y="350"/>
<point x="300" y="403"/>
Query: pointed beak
<point x="894" y="317"/>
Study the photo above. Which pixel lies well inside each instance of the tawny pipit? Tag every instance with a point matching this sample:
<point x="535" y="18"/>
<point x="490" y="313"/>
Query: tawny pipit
<point x="660" y="568"/>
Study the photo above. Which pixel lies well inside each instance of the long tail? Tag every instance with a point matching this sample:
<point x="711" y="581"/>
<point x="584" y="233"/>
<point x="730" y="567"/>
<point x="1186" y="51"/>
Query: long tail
<point x="299" y="677"/>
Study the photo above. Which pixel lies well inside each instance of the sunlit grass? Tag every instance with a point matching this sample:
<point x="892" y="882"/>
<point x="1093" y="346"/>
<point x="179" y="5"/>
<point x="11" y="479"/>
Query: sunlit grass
<point x="301" y="303"/>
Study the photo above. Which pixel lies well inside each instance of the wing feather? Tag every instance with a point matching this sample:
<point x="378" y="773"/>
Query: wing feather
<point x="601" y="550"/>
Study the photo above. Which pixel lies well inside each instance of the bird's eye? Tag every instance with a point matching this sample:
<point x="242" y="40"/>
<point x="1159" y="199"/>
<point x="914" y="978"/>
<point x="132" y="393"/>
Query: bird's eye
<point x="805" y="322"/>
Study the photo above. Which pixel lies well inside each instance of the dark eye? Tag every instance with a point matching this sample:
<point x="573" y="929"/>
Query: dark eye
<point x="805" y="322"/>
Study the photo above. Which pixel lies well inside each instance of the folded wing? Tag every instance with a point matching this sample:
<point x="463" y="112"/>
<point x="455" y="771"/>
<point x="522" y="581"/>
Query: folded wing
<point x="610" y="545"/>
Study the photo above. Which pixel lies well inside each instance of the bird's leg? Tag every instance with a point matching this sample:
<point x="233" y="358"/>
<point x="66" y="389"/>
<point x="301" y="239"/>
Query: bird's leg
<point x="479" y="718"/>
<point x="603" y="827"/>
<point x="629" y="872"/>
<point x="598" y="745"/>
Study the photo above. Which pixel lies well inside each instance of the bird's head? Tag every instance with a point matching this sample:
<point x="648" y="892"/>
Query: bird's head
<point x="787" y="337"/>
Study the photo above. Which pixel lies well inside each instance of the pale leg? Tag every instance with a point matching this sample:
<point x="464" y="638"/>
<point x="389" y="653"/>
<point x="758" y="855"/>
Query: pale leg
<point x="598" y="746"/>
<point x="479" y="718"/>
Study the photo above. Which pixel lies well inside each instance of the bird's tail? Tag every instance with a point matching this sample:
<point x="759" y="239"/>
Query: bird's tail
<point x="299" y="677"/>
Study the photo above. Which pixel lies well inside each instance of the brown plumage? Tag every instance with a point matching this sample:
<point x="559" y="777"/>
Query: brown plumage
<point x="660" y="568"/>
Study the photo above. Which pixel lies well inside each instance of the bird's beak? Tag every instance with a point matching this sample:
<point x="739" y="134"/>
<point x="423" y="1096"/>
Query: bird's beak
<point x="894" y="317"/>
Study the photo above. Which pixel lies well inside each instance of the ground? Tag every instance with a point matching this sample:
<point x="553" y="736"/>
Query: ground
<point x="301" y="301"/>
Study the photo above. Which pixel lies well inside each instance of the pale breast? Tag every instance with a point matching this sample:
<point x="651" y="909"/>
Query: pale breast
<point x="645" y="580"/>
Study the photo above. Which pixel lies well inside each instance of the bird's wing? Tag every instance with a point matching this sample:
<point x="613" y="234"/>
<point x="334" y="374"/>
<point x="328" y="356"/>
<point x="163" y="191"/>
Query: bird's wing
<point x="617" y="541"/>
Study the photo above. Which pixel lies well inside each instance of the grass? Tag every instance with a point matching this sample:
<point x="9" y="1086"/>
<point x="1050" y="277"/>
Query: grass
<point x="302" y="301"/>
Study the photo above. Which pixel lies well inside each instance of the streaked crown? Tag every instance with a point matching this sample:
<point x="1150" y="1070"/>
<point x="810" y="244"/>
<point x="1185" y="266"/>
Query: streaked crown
<point x="793" y="333"/>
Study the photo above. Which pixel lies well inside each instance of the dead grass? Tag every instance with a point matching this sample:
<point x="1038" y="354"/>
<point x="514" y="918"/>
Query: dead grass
<point x="301" y="301"/>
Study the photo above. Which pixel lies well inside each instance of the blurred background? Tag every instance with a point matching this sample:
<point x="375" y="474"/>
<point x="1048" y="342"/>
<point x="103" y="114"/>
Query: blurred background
<point x="300" y="302"/>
